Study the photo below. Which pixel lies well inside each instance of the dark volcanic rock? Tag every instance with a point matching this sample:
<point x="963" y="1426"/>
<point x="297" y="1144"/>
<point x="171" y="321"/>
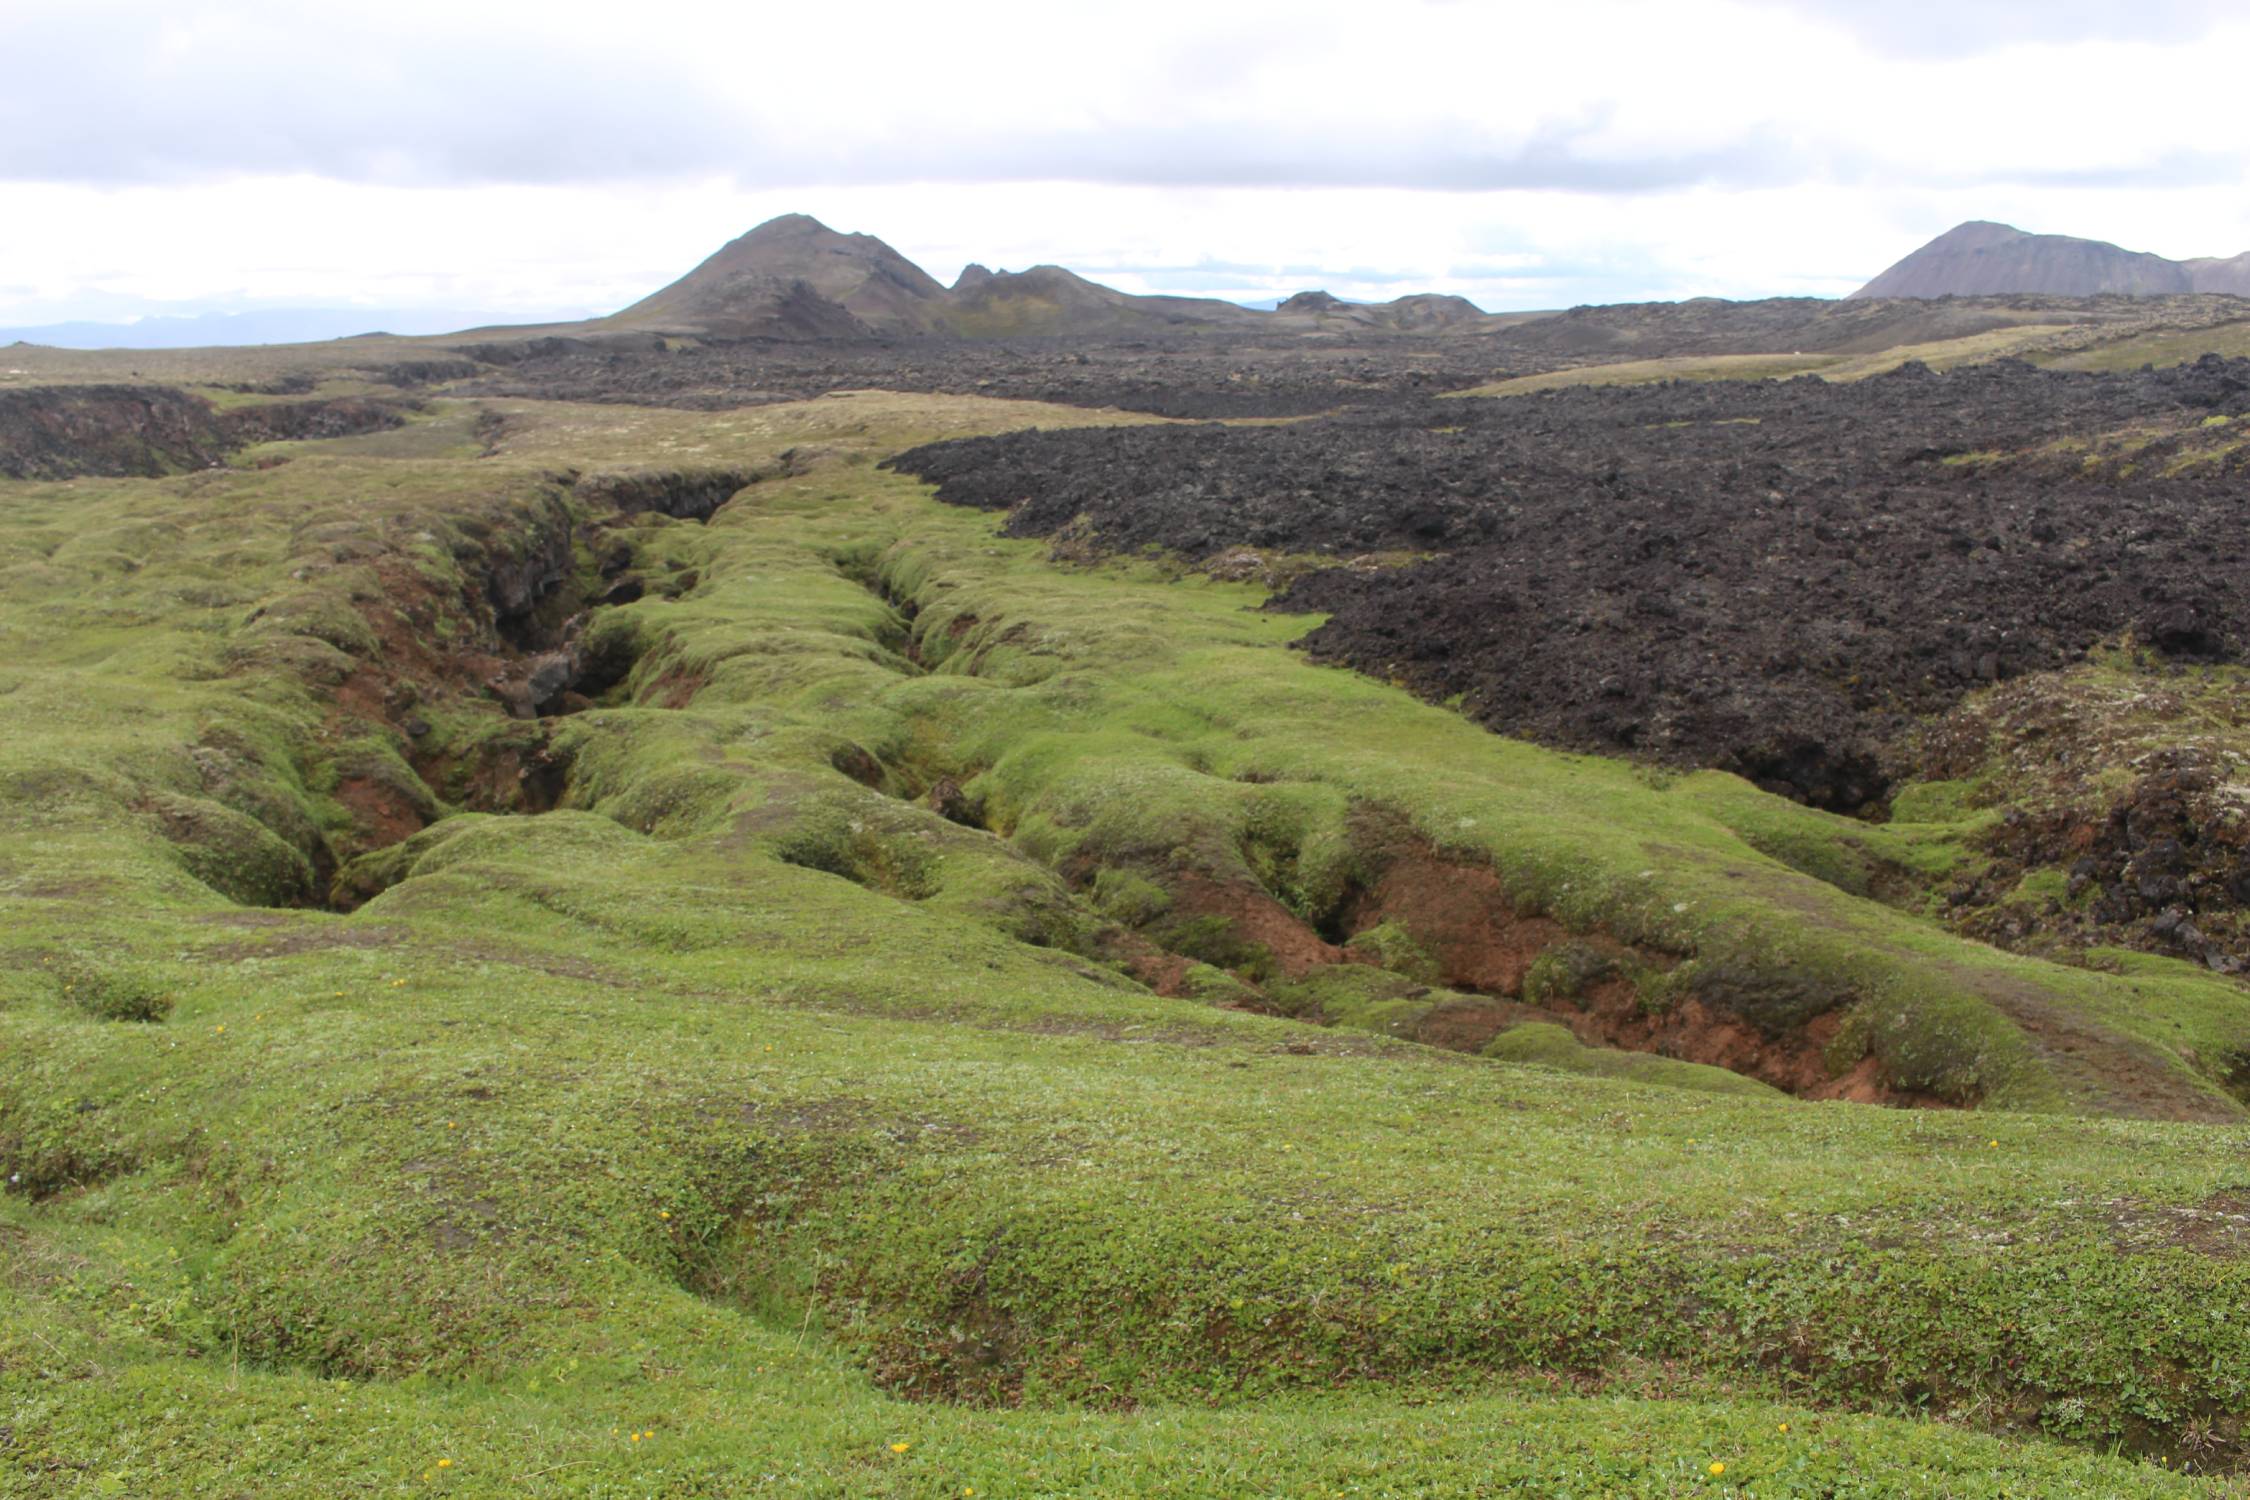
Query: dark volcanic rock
<point x="57" y="432"/>
<point x="1339" y="356"/>
<point x="551" y="674"/>
<point x="2133" y="790"/>
<point x="1773" y="578"/>
<point x="298" y="421"/>
<point x="1172" y="375"/>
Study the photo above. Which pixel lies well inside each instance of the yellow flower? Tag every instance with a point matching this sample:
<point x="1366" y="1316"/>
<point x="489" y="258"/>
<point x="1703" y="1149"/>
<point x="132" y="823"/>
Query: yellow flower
<point x="1718" y="1468"/>
<point x="636" y="1437"/>
<point x="1785" y="1427"/>
<point x="1992" y="1143"/>
<point x="216" y="1030"/>
<point x="445" y="1463"/>
<point x="900" y="1447"/>
<point x="664" y="1213"/>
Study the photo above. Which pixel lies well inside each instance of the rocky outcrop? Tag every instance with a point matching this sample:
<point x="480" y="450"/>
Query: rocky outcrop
<point x="299" y="421"/>
<point x="128" y="431"/>
<point x="57" y="432"/>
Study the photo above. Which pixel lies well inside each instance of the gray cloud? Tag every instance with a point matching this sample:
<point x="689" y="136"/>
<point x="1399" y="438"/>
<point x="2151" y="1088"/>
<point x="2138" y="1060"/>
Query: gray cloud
<point x="121" y="107"/>
<point x="118" y="92"/>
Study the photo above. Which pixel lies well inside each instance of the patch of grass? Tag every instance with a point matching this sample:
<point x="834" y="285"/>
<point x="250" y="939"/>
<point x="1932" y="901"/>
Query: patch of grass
<point x="111" y="990"/>
<point x="1548" y="1045"/>
<point x="1651" y="371"/>
<point x="1933" y="802"/>
<point x="1390" y="946"/>
<point x="2167" y="346"/>
<point x="1945" y="354"/>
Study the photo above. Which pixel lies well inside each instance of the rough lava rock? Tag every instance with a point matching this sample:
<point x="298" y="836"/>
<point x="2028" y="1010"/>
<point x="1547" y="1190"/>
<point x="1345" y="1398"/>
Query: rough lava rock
<point x="1774" y="578"/>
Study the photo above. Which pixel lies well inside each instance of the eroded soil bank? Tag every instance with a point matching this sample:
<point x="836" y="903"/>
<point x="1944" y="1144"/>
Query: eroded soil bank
<point x="57" y="432"/>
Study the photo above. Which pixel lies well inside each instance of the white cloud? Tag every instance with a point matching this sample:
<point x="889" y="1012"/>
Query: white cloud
<point x="537" y="159"/>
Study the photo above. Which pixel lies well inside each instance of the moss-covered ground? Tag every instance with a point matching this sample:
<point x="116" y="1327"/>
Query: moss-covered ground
<point x="745" y="1124"/>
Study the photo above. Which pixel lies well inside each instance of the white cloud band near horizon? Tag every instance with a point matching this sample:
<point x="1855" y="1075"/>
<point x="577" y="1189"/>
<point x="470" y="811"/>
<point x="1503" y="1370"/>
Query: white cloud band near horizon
<point x="567" y="158"/>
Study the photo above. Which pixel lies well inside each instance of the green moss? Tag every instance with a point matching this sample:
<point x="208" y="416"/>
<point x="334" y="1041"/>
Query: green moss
<point x="1932" y="802"/>
<point x="1125" y="896"/>
<point x="1392" y="947"/>
<point x="1550" y="1046"/>
<point x="1213" y="939"/>
<point x="1562" y="973"/>
<point x="1358" y="997"/>
<point x="109" y="988"/>
<point x="236" y="856"/>
<point x="846" y="837"/>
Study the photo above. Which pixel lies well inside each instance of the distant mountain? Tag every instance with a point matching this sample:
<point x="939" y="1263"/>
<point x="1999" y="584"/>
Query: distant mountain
<point x="2229" y="274"/>
<point x="1048" y="300"/>
<point x="794" y="277"/>
<point x="1981" y="259"/>
<point x="1418" y="313"/>
<point x="281" y="325"/>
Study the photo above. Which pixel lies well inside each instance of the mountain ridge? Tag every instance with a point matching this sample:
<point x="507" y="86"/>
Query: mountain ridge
<point x="1983" y="258"/>
<point x="794" y="277"/>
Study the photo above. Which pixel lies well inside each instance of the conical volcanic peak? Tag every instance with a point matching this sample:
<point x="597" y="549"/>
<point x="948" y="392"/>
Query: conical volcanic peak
<point x="1981" y="258"/>
<point x="742" y="288"/>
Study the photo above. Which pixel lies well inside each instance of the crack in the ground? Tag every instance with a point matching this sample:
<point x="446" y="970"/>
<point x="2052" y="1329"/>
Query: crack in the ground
<point x="1433" y="940"/>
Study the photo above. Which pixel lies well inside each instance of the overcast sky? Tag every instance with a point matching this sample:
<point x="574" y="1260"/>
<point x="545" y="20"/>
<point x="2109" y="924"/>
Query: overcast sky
<point x="562" y="158"/>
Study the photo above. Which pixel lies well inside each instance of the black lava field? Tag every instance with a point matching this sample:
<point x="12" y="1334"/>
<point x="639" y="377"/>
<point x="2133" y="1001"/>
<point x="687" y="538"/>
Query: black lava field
<point x="1175" y="377"/>
<point x="1775" y="578"/>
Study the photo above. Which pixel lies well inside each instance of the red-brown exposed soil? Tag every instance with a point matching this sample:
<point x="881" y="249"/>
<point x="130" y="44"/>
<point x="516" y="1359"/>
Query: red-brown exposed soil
<point x="1469" y="938"/>
<point x="1461" y="915"/>
<point x="382" y="814"/>
<point x="1256" y="920"/>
